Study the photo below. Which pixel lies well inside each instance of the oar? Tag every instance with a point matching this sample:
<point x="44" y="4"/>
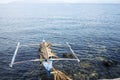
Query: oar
<point x="15" y="53"/>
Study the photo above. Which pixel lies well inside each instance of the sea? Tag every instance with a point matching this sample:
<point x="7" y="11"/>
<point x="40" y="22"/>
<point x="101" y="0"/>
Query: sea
<point x="92" y="30"/>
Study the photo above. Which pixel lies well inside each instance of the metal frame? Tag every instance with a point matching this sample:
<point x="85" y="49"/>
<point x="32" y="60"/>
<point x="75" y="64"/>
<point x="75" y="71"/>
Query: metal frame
<point x="58" y="59"/>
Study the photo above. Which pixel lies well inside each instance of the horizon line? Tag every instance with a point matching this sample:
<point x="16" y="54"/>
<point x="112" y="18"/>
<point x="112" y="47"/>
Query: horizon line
<point x="64" y="3"/>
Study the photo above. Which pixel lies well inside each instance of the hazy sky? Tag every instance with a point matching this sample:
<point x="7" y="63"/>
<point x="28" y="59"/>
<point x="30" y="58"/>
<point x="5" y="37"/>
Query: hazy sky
<point x="61" y="1"/>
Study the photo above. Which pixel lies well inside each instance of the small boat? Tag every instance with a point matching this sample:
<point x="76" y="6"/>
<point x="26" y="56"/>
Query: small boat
<point x="47" y="56"/>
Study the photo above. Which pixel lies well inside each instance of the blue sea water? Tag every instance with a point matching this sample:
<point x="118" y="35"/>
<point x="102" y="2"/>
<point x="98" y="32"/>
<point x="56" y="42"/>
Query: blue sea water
<point x="93" y="30"/>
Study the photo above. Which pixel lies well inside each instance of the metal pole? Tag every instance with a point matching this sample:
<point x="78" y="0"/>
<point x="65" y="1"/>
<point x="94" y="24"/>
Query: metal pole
<point x="15" y="53"/>
<point x="72" y="52"/>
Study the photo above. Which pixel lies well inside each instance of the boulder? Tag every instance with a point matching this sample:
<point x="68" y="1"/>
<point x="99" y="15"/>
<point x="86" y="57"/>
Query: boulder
<point x="68" y="55"/>
<point x="109" y="63"/>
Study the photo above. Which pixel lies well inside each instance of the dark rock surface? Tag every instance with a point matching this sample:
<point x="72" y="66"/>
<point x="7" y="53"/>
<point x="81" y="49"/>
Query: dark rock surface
<point x="109" y="63"/>
<point x="68" y="55"/>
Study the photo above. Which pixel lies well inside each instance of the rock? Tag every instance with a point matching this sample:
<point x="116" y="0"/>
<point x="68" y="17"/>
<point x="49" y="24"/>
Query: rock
<point x="68" y="55"/>
<point x="109" y="63"/>
<point x="100" y="58"/>
<point x="85" y="64"/>
<point x="110" y="79"/>
<point x="106" y="62"/>
<point x="75" y="74"/>
<point x="94" y="74"/>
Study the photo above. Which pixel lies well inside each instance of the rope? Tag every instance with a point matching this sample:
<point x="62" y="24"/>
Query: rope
<point x="58" y="75"/>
